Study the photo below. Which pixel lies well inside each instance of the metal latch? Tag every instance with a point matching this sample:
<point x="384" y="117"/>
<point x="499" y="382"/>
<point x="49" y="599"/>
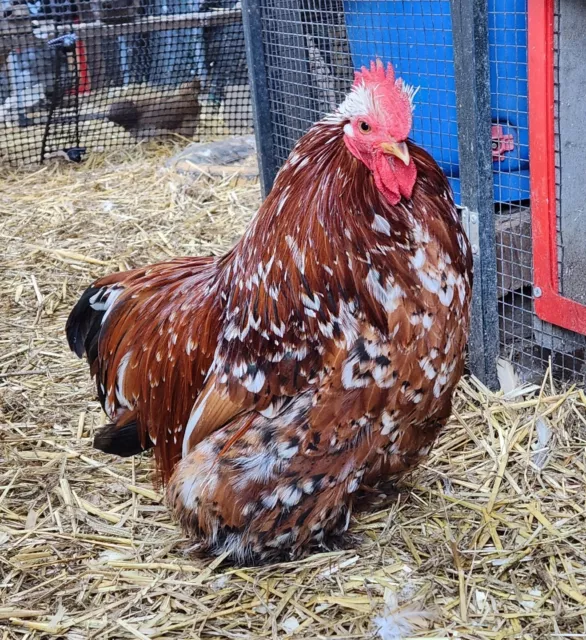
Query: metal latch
<point x="501" y="143"/>
<point x="471" y="227"/>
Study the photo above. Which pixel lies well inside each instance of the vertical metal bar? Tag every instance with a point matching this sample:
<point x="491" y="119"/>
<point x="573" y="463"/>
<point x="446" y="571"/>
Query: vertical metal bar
<point x="472" y="75"/>
<point x="259" y="90"/>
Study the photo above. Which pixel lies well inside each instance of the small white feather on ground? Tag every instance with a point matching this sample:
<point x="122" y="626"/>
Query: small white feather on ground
<point x="398" y="623"/>
<point x="541" y="446"/>
<point x="508" y="378"/>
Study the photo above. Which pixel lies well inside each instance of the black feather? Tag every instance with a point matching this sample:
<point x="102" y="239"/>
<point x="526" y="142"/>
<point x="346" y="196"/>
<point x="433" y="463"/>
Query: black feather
<point x="83" y="329"/>
<point x="121" y="441"/>
<point x="83" y="326"/>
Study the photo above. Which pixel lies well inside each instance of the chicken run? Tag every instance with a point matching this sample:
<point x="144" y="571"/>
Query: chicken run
<point x="259" y="461"/>
<point x="483" y="540"/>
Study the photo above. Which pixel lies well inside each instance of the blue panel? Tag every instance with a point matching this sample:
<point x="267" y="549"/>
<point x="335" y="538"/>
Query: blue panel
<point x="416" y="36"/>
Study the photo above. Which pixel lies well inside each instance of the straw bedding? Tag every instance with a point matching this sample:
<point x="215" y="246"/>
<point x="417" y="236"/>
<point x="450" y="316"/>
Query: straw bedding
<point x="485" y="541"/>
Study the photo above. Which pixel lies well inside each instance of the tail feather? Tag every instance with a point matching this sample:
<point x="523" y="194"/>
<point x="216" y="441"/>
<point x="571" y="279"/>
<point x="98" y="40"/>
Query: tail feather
<point x="85" y="323"/>
<point x="81" y="323"/>
<point x="123" y="441"/>
<point x="112" y="319"/>
<point x="86" y="319"/>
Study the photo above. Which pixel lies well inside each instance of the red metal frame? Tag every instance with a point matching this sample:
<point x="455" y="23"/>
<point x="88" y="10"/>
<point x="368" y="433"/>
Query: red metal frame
<point x="550" y="306"/>
<point x="84" y="83"/>
<point x="84" y="76"/>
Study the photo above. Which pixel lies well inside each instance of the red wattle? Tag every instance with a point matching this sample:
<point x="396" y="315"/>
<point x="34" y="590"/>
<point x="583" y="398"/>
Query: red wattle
<point x="385" y="179"/>
<point x="393" y="179"/>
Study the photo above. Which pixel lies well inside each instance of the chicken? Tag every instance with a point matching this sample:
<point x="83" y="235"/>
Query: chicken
<point x="314" y="359"/>
<point x="153" y="116"/>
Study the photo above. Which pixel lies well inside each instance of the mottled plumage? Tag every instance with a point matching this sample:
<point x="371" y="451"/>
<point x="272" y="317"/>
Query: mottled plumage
<point x="319" y="355"/>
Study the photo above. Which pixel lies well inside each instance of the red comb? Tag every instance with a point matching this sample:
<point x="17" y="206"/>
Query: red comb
<point x="376" y="73"/>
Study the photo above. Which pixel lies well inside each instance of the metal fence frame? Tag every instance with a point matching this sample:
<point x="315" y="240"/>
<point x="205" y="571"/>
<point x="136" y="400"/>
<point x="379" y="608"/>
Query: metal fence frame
<point x="470" y="37"/>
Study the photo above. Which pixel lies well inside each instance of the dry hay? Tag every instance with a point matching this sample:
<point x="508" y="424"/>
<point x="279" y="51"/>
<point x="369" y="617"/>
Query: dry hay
<point x="487" y="538"/>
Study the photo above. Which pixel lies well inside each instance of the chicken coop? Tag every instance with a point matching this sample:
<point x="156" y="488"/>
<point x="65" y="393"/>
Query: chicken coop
<point x="498" y="106"/>
<point x="77" y="77"/>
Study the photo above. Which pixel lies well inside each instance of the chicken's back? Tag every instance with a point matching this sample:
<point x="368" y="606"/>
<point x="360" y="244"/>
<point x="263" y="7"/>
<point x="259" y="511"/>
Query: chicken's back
<point x="149" y="116"/>
<point x="124" y="113"/>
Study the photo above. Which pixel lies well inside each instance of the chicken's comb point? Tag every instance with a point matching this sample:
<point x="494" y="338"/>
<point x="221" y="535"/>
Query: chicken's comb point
<point x="377" y="73"/>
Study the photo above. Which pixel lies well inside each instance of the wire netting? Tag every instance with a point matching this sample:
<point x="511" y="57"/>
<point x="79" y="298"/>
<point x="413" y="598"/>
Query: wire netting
<point x="85" y="75"/>
<point x="529" y="341"/>
<point x="311" y="49"/>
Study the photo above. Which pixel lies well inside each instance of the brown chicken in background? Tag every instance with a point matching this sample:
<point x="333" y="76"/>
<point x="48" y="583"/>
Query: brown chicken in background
<point x="153" y="116"/>
<point x="314" y="359"/>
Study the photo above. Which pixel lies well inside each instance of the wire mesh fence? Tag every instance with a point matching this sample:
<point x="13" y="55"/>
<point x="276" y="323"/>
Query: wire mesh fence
<point x="95" y="74"/>
<point x="313" y="46"/>
<point x="310" y="49"/>
<point x="525" y="337"/>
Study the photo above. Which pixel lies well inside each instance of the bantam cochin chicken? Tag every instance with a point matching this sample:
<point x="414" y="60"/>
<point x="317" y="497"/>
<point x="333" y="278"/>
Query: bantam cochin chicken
<point x="314" y="359"/>
<point x="154" y="116"/>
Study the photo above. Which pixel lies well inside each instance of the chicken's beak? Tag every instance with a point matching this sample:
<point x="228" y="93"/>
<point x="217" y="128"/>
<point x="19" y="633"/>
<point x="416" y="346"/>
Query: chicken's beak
<point x="398" y="149"/>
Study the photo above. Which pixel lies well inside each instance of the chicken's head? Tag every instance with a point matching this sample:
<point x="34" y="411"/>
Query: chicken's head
<point x="377" y="117"/>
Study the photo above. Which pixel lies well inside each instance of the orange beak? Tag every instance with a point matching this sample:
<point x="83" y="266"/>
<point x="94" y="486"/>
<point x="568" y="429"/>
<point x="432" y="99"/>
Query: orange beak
<point x="397" y="149"/>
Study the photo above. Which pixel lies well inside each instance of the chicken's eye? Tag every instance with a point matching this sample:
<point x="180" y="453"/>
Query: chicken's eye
<point x="364" y="127"/>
